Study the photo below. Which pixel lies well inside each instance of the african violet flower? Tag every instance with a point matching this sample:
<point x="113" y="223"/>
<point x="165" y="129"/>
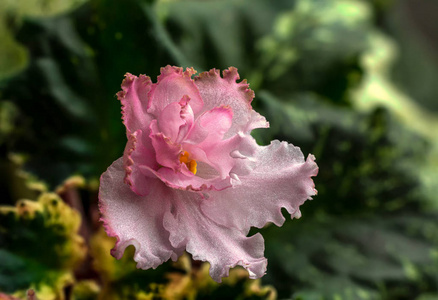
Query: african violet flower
<point x="192" y="177"/>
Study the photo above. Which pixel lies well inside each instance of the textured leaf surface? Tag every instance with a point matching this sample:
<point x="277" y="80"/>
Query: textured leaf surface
<point x="370" y="162"/>
<point x="314" y="38"/>
<point x="66" y="102"/>
<point x="25" y="233"/>
<point x="180" y="280"/>
<point x="389" y="256"/>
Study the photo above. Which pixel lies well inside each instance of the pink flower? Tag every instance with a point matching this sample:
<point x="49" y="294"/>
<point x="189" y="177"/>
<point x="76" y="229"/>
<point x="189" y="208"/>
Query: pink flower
<point x="192" y="177"/>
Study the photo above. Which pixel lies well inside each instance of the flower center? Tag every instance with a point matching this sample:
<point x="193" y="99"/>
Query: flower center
<point x="190" y="163"/>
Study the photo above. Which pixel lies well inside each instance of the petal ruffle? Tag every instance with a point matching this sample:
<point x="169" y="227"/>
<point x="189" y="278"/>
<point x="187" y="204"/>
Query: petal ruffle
<point x="216" y="91"/>
<point x="185" y="180"/>
<point x="195" y="178"/>
<point x="222" y="247"/>
<point x="171" y="86"/>
<point x="279" y="178"/>
<point x="138" y="154"/>
<point x="136" y="220"/>
<point x="167" y="153"/>
<point x="133" y="97"/>
<point x="256" y="121"/>
<point x="170" y="120"/>
<point x="176" y="120"/>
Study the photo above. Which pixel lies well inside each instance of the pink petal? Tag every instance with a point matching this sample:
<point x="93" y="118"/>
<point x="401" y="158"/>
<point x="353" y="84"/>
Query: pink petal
<point x="222" y="247"/>
<point x="256" y="121"/>
<point x="138" y="154"/>
<point x="187" y="116"/>
<point x="205" y="141"/>
<point x="170" y="120"/>
<point x="279" y="178"/>
<point x="217" y="91"/>
<point x="185" y="180"/>
<point x="136" y="220"/>
<point x="165" y="208"/>
<point x="176" y="120"/>
<point x="224" y="156"/>
<point x="171" y="86"/>
<point x="220" y="154"/>
<point x="134" y="102"/>
<point x="166" y="152"/>
<point x="211" y="126"/>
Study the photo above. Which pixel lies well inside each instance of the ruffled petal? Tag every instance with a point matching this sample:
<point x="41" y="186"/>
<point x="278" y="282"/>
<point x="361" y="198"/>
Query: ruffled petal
<point x="133" y="97"/>
<point x="138" y="154"/>
<point x="170" y="120"/>
<point x="222" y="247"/>
<point x="216" y="91"/>
<point x="185" y="180"/>
<point x="220" y="155"/>
<point x="136" y="220"/>
<point x="171" y="86"/>
<point x="280" y="177"/>
<point x="176" y="120"/>
<point x="211" y="126"/>
<point x="195" y="178"/>
<point x="256" y="121"/>
<point x="166" y="152"/>
<point x="187" y="116"/>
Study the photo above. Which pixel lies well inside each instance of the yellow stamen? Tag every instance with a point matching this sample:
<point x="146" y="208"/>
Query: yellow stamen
<point x="190" y="163"/>
<point x="184" y="158"/>
<point x="192" y="166"/>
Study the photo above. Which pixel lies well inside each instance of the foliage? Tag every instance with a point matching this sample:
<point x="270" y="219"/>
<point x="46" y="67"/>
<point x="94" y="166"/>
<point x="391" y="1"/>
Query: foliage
<point x="347" y="80"/>
<point x="305" y="42"/>
<point x="179" y="280"/>
<point x="25" y="232"/>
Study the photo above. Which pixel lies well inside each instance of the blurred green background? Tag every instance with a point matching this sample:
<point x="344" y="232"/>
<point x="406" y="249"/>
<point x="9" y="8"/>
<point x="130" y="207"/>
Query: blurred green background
<point x="352" y="81"/>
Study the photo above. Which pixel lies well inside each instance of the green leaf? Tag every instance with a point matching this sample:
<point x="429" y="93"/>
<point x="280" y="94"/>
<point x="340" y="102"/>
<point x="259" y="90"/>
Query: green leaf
<point x="369" y="232"/>
<point x="416" y="67"/>
<point x="8" y="119"/>
<point x="366" y="257"/>
<point x="219" y="34"/>
<point x="184" y="279"/>
<point x="368" y="162"/>
<point x="121" y="278"/>
<point x="86" y="290"/>
<point x="317" y="46"/>
<point x="39" y="246"/>
<point x="69" y="116"/>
